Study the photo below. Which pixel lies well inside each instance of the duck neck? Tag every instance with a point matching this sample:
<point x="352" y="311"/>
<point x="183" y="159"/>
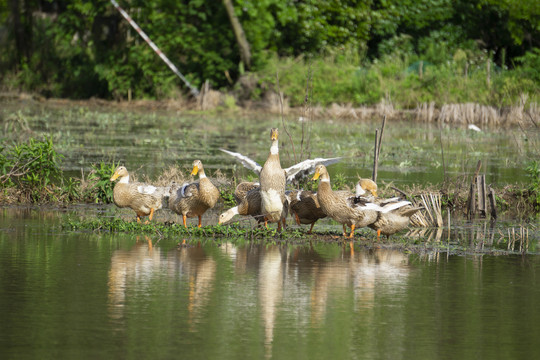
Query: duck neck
<point x="202" y="175"/>
<point x="124" y="179"/>
<point x="324" y="185"/>
<point x="274" y="149"/>
<point x="360" y="190"/>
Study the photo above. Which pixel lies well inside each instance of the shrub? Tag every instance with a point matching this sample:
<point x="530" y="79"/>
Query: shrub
<point x="533" y="170"/>
<point x="101" y="187"/>
<point x="33" y="165"/>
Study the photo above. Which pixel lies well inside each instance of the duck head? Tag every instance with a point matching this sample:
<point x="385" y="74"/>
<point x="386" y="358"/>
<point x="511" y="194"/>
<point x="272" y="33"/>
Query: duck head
<point x="120" y="172"/>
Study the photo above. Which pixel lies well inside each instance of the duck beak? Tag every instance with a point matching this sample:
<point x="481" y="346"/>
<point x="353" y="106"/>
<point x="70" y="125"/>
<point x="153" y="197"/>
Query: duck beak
<point x="274" y="135"/>
<point x="195" y="170"/>
<point x="316" y="176"/>
<point x="115" y="176"/>
<point x="374" y="193"/>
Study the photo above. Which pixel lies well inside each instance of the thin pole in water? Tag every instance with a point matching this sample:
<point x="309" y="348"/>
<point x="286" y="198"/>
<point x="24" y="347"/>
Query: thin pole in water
<point x="193" y="90"/>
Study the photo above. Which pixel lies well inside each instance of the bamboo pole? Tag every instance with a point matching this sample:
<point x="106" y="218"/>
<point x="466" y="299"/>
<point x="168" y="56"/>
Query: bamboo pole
<point x="375" y="162"/>
<point x="377" y="150"/>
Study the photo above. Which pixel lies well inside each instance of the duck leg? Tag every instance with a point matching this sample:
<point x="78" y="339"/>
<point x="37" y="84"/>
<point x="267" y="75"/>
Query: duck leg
<point x="344" y="230"/>
<point x="311" y="228"/>
<point x="378" y="234"/>
<point x="279" y="226"/>
<point x="200" y="220"/>
<point x="297" y="219"/>
<point x="352" y="231"/>
<point x="184" y="220"/>
<point x="150" y="217"/>
<point x="138" y="219"/>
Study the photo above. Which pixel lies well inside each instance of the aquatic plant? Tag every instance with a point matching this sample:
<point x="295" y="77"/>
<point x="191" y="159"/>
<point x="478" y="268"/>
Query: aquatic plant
<point x="101" y="188"/>
<point x="170" y="228"/>
<point x="533" y="171"/>
<point x="32" y="166"/>
<point x="228" y="197"/>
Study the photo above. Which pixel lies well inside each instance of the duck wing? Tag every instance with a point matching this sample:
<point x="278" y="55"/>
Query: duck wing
<point x="307" y="167"/>
<point x="247" y="162"/>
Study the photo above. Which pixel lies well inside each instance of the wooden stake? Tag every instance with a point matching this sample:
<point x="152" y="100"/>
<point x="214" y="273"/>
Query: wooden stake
<point x="482" y="198"/>
<point x="377" y="151"/>
<point x="492" y="203"/>
<point x="472" y="203"/>
<point x="375" y="162"/>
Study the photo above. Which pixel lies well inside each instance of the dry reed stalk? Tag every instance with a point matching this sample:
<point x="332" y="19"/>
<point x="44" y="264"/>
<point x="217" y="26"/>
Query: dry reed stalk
<point x="425" y="112"/>
<point x="339" y="111"/>
<point x="386" y="108"/>
<point x="469" y="113"/>
<point x="432" y="205"/>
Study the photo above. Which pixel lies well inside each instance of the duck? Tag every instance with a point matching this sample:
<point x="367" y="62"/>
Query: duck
<point x="248" y="204"/>
<point x="194" y="199"/>
<point x="393" y="214"/>
<point x="304" y="207"/>
<point x="242" y="189"/>
<point x="272" y="179"/>
<point x="363" y="186"/>
<point x="338" y="204"/>
<point x="142" y="198"/>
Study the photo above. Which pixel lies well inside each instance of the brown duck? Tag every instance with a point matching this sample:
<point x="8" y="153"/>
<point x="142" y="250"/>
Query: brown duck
<point x="249" y="204"/>
<point x="305" y="208"/>
<point x="190" y="200"/>
<point x="393" y="214"/>
<point x="337" y="204"/>
<point x="242" y="189"/>
<point x="142" y="198"/>
<point x="272" y="179"/>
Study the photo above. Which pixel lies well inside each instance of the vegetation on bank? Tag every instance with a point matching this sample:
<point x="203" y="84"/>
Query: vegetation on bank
<point x="31" y="172"/>
<point x="428" y="240"/>
<point x="359" y="52"/>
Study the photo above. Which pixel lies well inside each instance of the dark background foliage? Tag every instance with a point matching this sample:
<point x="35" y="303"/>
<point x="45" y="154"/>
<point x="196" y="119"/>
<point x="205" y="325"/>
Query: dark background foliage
<point x="83" y="49"/>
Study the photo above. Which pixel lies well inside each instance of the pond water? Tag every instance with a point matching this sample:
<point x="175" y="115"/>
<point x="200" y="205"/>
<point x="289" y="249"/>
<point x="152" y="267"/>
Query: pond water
<point x="90" y="295"/>
<point x="149" y="141"/>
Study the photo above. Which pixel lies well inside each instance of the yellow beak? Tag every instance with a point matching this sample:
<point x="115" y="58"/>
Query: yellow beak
<point x="195" y="170"/>
<point x="316" y="176"/>
<point x="274" y="135"/>
<point x="115" y="176"/>
<point x="374" y="192"/>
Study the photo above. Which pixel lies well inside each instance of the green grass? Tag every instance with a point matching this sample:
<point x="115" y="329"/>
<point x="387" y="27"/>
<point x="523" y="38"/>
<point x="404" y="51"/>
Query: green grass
<point x="396" y="80"/>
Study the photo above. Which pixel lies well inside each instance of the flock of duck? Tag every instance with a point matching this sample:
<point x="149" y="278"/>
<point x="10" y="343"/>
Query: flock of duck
<point x="268" y="201"/>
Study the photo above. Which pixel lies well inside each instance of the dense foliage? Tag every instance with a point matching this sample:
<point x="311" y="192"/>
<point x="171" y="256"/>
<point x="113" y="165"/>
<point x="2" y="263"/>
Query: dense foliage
<point x="31" y="171"/>
<point x="81" y="49"/>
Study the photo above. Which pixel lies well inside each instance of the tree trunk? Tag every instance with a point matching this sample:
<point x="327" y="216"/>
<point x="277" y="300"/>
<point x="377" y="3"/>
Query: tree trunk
<point x="22" y="29"/>
<point x="245" y="53"/>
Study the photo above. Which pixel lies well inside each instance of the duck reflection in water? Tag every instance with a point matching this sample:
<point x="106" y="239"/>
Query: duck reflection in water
<point x="128" y="265"/>
<point x="135" y="270"/>
<point x="200" y="271"/>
